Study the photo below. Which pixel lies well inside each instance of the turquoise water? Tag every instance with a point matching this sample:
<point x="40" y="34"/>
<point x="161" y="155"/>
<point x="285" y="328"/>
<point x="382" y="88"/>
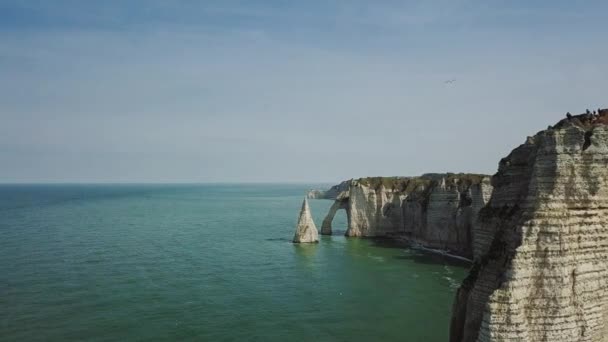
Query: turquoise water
<point x="204" y="262"/>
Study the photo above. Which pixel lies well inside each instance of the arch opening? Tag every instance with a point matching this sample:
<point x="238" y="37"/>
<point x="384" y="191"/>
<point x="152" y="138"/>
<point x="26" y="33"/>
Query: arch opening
<point x="336" y="216"/>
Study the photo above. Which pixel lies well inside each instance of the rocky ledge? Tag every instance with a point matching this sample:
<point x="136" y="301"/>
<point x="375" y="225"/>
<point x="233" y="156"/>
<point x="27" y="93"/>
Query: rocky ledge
<point x="434" y="210"/>
<point x="541" y="265"/>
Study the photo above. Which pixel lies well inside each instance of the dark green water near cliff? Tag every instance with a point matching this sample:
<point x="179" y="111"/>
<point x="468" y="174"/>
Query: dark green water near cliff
<point x="204" y="262"/>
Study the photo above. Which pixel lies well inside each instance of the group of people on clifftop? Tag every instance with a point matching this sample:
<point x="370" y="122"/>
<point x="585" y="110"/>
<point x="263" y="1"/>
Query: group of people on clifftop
<point x="588" y="112"/>
<point x="589" y="117"/>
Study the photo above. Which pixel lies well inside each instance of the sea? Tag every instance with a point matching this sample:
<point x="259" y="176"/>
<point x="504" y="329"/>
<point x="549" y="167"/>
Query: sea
<point x="205" y="262"/>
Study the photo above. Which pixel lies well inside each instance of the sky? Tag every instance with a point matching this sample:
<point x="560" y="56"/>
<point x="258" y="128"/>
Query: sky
<point x="286" y="91"/>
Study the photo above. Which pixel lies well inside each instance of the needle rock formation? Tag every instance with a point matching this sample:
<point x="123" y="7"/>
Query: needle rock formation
<point x="541" y="268"/>
<point x="306" y="231"/>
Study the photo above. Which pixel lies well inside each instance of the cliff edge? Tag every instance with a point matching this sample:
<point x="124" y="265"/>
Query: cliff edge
<point x="541" y="260"/>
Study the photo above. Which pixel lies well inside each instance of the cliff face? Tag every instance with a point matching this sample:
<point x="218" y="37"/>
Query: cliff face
<point x="541" y="245"/>
<point x="331" y="194"/>
<point x="435" y="210"/>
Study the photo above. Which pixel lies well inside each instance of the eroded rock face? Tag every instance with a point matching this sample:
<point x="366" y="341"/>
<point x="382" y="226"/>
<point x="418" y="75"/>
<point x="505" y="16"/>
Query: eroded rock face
<point x="435" y="210"/>
<point x="326" y="225"/>
<point x="333" y="192"/>
<point x="306" y="231"/>
<point x="540" y="272"/>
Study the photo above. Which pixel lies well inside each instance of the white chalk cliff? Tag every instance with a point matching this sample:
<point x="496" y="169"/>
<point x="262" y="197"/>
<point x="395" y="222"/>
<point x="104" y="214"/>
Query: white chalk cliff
<point x="541" y="268"/>
<point x="306" y="231"/>
<point x="434" y="210"/>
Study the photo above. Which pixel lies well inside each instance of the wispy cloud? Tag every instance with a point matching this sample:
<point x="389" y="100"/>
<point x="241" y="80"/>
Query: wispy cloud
<point x="200" y="91"/>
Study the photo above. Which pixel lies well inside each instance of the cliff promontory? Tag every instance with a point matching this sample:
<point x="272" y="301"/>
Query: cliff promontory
<point x="330" y="194"/>
<point x="541" y="266"/>
<point x="434" y="210"/>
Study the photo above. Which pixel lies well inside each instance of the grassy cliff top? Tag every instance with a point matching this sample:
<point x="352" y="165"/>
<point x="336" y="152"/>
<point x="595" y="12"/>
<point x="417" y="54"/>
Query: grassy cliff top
<point x="409" y="184"/>
<point x="397" y="183"/>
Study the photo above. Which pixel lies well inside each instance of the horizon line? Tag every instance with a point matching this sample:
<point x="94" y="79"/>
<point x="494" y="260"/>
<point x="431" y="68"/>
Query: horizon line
<point x="158" y="183"/>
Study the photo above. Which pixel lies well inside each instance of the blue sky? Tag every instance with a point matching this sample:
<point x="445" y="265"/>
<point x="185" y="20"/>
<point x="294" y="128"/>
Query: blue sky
<point x="285" y="91"/>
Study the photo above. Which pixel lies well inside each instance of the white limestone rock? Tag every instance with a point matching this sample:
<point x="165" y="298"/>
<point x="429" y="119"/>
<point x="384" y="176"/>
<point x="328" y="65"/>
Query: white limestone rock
<point x="306" y="231"/>
<point x="541" y="270"/>
<point x="434" y="210"/>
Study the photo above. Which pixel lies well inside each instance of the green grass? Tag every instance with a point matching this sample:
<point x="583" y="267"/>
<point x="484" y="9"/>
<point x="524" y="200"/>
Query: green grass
<point x="410" y="184"/>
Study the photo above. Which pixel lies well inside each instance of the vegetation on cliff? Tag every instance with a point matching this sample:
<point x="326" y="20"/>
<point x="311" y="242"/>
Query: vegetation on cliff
<point x="410" y="184"/>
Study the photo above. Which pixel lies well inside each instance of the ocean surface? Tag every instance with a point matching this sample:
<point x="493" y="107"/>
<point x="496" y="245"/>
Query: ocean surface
<point x="204" y="263"/>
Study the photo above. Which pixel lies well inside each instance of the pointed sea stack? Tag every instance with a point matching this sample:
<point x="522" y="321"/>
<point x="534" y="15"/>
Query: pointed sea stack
<point x="306" y="231"/>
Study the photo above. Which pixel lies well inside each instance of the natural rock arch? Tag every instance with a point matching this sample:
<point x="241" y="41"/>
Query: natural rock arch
<point x="338" y="204"/>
